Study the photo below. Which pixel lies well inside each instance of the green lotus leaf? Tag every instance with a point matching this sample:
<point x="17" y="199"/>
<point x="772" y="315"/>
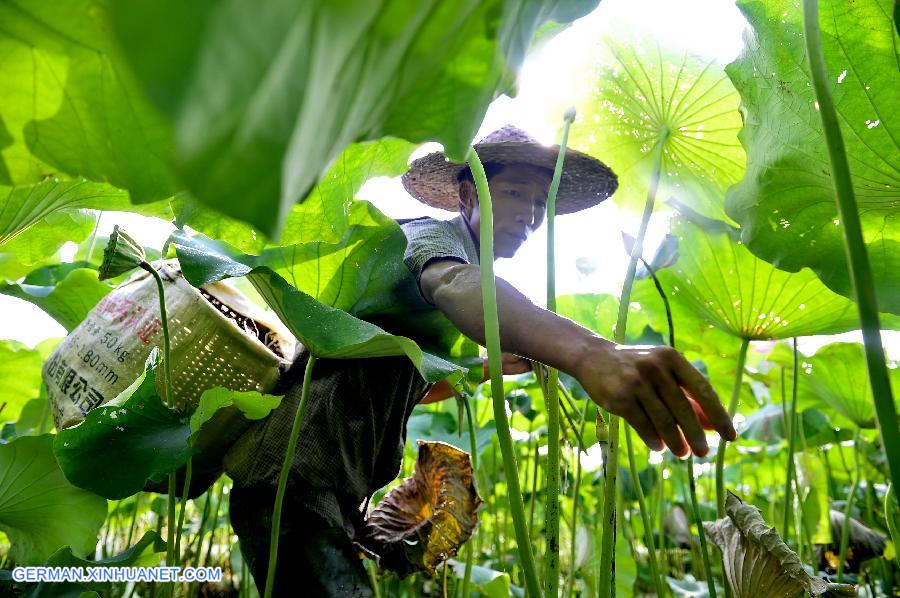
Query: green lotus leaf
<point x="599" y="313"/>
<point x="324" y="215"/>
<point x="836" y="377"/>
<point x="36" y="220"/>
<point x="323" y="329"/>
<point x="40" y="511"/>
<point x="254" y="130"/>
<point x="71" y="107"/>
<point x="718" y="284"/>
<point x="812" y="481"/>
<point x="758" y="563"/>
<point x="20" y="377"/>
<point x="785" y="204"/>
<point x="131" y="439"/>
<point x="644" y="96"/>
<point x="39" y="245"/>
<point x="362" y="273"/>
<point x="253" y="405"/>
<point x="68" y="301"/>
<point x="766" y="425"/>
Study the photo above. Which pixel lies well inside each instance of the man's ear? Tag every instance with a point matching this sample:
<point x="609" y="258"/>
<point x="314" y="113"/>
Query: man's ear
<point x="468" y="198"/>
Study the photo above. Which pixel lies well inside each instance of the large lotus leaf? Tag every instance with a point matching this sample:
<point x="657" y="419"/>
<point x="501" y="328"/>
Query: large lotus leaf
<point x="785" y="204"/>
<point x="131" y="439"/>
<point x="362" y="273"/>
<point x="253" y="405"/>
<point x="766" y="425"/>
<point x="40" y="511"/>
<point x="812" y="480"/>
<point x="324" y="216"/>
<point x="836" y="376"/>
<point x="358" y="274"/>
<point x="423" y="521"/>
<point x="324" y="330"/>
<point x="717" y="282"/>
<point x="36" y="220"/>
<point x="71" y="107"/>
<point x="263" y="97"/>
<point x="42" y="241"/>
<point x="68" y="301"/>
<point x="644" y="96"/>
<point x="758" y="562"/>
<point x="20" y="377"/>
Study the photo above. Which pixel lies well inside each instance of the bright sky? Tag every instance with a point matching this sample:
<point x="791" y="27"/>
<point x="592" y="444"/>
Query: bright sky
<point x="709" y="28"/>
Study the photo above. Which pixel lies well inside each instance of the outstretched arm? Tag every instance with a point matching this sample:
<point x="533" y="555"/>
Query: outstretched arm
<point x="655" y="389"/>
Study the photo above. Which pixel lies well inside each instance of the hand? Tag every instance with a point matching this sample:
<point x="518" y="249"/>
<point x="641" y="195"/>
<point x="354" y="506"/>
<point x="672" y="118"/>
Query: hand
<point x="664" y="398"/>
<point x="511" y="364"/>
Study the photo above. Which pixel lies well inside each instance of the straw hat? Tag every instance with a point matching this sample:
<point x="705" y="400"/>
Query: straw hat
<point x="585" y="180"/>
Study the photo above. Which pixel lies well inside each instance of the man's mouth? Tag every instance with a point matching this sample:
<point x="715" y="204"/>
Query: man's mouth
<point x="520" y="236"/>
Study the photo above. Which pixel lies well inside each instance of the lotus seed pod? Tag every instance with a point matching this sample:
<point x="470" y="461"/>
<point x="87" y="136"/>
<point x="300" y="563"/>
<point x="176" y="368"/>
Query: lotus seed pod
<point x="122" y="254"/>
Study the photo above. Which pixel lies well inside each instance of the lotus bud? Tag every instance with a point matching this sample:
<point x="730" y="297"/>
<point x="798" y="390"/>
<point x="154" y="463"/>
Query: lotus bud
<point x="569" y="114"/>
<point x="121" y="255"/>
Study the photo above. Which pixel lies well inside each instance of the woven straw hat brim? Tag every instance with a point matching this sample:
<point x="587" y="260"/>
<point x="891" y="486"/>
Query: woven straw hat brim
<point x="584" y="183"/>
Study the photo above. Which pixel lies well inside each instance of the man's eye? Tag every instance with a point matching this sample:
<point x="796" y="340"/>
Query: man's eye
<point x="513" y="192"/>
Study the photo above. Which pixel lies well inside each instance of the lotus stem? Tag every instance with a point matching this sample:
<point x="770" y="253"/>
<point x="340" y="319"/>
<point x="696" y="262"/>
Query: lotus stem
<point x="137" y="504"/>
<point x="698" y="521"/>
<point x="689" y="463"/>
<point x="170" y="401"/>
<point x="184" y="498"/>
<point x="571" y="578"/>
<point x="732" y="408"/>
<point x="607" y="549"/>
<point x="492" y="341"/>
<point x="283" y="478"/>
<point x="792" y="432"/>
<point x="645" y="517"/>
<point x="848" y="509"/>
<point x="551" y="396"/>
<point x="857" y="256"/>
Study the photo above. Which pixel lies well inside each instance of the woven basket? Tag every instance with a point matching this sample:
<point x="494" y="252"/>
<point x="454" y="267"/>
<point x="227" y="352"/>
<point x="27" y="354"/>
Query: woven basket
<point x="108" y="350"/>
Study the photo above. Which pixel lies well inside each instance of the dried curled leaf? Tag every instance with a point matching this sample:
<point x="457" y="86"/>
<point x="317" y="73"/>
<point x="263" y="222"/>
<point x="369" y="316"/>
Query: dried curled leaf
<point x="758" y="562"/>
<point x="425" y="520"/>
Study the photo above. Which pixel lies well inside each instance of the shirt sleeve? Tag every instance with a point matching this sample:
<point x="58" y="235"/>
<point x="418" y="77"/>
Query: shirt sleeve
<point x="429" y="240"/>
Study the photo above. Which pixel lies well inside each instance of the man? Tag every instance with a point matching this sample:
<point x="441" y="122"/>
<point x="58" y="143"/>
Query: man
<point x="353" y="431"/>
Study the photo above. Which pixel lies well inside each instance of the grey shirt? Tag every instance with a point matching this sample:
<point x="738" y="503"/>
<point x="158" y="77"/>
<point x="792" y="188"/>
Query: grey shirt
<point x="354" y="425"/>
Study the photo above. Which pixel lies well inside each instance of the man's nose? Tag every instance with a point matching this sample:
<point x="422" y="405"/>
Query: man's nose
<point x="527" y="215"/>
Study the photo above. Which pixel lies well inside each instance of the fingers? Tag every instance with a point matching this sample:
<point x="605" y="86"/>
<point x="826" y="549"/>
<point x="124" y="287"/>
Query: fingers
<point x="637" y="418"/>
<point x="704" y="421"/>
<point x="701" y="391"/>
<point x="665" y="424"/>
<point x="680" y="407"/>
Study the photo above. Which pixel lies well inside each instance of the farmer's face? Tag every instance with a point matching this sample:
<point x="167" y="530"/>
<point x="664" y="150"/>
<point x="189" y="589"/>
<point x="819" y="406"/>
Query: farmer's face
<point x="519" y="196"/>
